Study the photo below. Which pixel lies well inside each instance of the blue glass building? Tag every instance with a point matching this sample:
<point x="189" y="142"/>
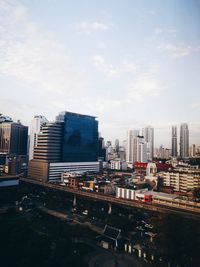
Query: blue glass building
<point x="80" y="137"/>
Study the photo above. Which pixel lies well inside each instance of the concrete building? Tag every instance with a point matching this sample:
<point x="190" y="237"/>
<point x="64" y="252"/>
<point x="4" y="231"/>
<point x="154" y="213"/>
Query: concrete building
<point x="184" y="140"/>
<point x="141" y="150"/>
<point x="13" y="137"/>
<point x="35" y="128"/>
<point x="193" y="151"/>
<point x="182" y="179"/>
<point x="148" y="133"/>
<point x="69" y="144"/>
<point x="174" y="152"/>
<point x="49" y="143"/>
<point x="131" y="145"/>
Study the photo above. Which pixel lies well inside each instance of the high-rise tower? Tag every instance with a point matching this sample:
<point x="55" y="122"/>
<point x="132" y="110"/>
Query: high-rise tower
<point x="131" y="145"/>
<point x="184" y="140"/>
<point x="80" y="137"/>
<point x="13" y="137"/>
<point x="70" y="143"/>
<point x="148" y="133"/>
<point x="174" y="152"/>
<point x="36" y="124"/>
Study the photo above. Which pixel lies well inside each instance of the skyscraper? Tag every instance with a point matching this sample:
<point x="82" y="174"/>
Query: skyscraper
<point x="13" y="137"/>
<point x="69" y="143"/>
<point x="148" y="133"/>
<point x="80" y="137"/>
<point x="140" y="149"/>
<point x="131" y="145"/>
<point x="184" y="140"/>
<point x="49" y="142"/>
<point x="174" y="142"/>
<point x="35" y="129"/>
<point x="117" y="145"/>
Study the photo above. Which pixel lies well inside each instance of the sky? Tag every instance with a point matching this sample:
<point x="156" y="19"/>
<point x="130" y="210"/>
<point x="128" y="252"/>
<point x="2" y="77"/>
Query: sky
<point x="131" y="63"/>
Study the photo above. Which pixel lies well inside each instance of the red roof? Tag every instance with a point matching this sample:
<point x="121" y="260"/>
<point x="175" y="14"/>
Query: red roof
<point x="140" y="165"/>
<point x="160" y="166"/>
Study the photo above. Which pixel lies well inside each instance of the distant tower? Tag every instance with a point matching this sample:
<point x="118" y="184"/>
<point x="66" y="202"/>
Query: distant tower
<point x="117" y="145"/>
<point x="184" y="140"/>
<point x="36" y="124"/>
<point x="131" y="145"/>
<point x="148" y="133"/>
<point x="174" y="141"/>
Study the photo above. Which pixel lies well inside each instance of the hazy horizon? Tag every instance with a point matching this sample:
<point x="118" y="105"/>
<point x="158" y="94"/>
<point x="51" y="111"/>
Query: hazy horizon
<point x="129" y="63"/>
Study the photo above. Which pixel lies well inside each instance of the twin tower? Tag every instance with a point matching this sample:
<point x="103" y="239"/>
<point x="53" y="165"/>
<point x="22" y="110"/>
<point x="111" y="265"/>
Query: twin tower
<point x="184" y="141"/>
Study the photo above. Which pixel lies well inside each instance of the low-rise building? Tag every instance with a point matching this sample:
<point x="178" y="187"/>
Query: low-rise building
<point x="181" y="179"/>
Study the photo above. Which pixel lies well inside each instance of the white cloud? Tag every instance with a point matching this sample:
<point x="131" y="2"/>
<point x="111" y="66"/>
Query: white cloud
<point x="196" y="105"/>
<point x="179" y="50"/>
<point x="146" y="85"/>
<point x="158" y="31"/>
<point x="112" y="71"/>
<point x="109" y="70"/>
<point x="101" y="45"/>
<point x="90" y="27"/>
<point x="170" y="32"/>
<point x="129" y="66"/>
<point x="31" y="56"/>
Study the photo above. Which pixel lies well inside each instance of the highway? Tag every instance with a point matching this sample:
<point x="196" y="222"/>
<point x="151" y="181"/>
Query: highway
<point x="119" y="201"/>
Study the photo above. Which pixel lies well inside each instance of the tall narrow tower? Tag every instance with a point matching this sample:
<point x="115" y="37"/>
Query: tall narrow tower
<point x="148" y="133"/>
<point x="131" y="145"/>
<point x="36" y="124"/>
<point x="174" y="141"/>
<point x="184" y="140"/>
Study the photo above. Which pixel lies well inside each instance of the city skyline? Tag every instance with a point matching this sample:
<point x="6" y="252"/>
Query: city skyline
<point x="130" y="73"/>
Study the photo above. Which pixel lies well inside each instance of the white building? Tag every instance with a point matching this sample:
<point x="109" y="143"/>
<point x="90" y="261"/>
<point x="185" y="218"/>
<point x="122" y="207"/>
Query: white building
<point x="148" y="133"/>
<point x="141" y="150"/>
<point x="131" y="153"/>
<point x="35" y="129"/>
<point x="56" y="169"/>
<point x="182" y="179"/>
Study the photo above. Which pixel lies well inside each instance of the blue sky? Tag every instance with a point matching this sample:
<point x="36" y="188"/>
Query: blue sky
<point x="130" y="63"/>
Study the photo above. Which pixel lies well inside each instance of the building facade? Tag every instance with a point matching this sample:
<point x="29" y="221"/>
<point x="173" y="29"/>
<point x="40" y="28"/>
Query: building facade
<point x="80" y="137"/>
<point x="181" y="180"/>
<point x="49" y="143"/>
<point x="174" y="151"/>
<point x="184" y="140"/>
<point x="35" y="128"/>
<point x="131" y="145"/>
<point x="13" y="138"/>
<point x="68" y="144"/>
<point x="148" y="133"/>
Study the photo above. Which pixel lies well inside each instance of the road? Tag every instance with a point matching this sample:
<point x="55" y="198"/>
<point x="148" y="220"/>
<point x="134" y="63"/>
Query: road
<point x="118" y="201"/>
<point x="68" y="218"/>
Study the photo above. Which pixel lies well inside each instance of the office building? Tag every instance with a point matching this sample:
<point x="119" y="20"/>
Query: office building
<point x="174" y="152"/>
<point x="13" y="137"/>
<point x="140" y="149"/>
<point x="49" y="143"/>
<point x="184" y="140"/>
<point x="137" y="147"/>
<point x="80" y="137"/>
<point x="101" y="149"/>
<point x="182" y="179"/>
<point x="117" y="145"/>
<point x="148" y="133"/>
<point x="35" y="128"/>
<point x="131" y="144"/>
<point x="68" y="144"/>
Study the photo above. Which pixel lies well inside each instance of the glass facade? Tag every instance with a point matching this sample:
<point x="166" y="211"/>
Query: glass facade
<point x="13" y="138"/>
<point x="80" y="137"/>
